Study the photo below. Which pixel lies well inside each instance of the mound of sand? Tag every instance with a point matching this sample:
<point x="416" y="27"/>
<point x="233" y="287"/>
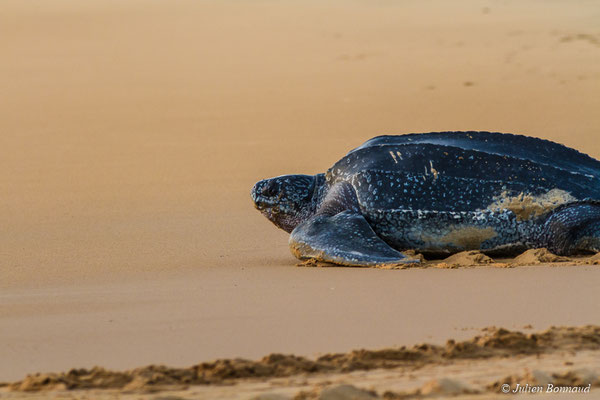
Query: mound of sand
<point x="538" y="256"/>
<point x="434" y="388"/>
<point x="465" y="259"/>
<point x="346" y="392"/>
<point x="445" y="386"/>
<point x="595" y="259"/>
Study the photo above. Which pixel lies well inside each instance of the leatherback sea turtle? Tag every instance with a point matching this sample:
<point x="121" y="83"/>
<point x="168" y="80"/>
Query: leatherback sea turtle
<point x="439" y="193"/>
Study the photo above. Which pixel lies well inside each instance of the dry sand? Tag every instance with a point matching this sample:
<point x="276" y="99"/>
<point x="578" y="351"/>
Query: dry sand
<point x="480" y="366"/>
<point x="131" y="134"/>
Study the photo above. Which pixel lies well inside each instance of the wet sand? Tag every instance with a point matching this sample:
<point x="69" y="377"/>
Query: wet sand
<point x="131" y="134"/>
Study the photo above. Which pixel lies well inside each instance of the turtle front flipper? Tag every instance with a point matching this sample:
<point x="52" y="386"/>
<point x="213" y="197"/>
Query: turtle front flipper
<point x="345" y="239"/>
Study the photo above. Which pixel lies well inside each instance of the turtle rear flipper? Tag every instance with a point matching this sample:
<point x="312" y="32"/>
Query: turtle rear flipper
<point x="573" y="228"/>
<point x="346" y="239"/>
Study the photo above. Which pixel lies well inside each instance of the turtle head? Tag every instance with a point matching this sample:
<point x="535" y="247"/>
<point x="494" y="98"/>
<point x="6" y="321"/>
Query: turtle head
<point x="288" y="200"/>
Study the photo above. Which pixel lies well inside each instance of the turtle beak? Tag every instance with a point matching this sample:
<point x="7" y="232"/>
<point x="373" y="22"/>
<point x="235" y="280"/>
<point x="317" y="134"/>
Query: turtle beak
<point x="265" y="193"/>
<point x="254" y="193"/>
<point x="259" y="194"/>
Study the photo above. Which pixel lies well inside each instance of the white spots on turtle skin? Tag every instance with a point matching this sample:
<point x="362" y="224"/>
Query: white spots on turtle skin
<point x="447" y="231"/>
<point x="461" y="179"/>
<point x="401" y="190"/>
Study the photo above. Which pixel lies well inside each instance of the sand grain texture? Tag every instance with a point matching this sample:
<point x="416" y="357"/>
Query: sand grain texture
<point x="132" y="132"/>
<point x="539" y="256"/>
<point x="495" y="344"/>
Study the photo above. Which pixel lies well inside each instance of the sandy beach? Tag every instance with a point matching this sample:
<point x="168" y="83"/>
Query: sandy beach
<point x="132" y="133"/>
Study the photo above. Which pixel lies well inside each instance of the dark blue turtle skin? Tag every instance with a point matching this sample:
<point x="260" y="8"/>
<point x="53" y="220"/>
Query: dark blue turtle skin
<point x="439" y="193"/>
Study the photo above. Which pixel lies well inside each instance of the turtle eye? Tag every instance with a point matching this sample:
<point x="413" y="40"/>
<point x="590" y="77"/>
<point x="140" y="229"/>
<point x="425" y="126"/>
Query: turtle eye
<point x="269" y="189"/>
